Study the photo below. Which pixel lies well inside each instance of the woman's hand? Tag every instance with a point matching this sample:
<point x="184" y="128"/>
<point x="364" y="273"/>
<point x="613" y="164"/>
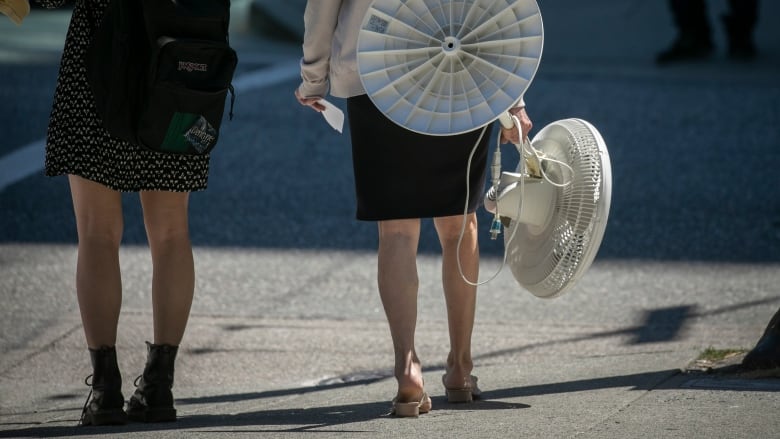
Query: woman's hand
<point x="314" y="102"/>
<point x="511" y="135"/>
<point x="16" y="10"/>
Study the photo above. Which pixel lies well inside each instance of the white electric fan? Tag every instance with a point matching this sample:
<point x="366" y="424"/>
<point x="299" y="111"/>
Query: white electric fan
<point x="444" y="67"/>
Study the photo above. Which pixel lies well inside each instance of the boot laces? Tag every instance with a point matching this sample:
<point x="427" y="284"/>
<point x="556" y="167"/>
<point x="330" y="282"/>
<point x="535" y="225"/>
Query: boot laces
<point x="88" y="382"/>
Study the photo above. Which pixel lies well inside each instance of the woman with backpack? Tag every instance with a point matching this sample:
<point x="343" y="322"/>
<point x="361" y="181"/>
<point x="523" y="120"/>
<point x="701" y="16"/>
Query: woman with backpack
<point x="100" y="168"/>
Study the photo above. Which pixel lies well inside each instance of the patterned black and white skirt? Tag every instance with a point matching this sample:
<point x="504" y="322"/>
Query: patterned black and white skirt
<point x="76" y="141"/>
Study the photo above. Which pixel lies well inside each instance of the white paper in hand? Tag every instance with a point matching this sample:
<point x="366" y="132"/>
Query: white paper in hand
<point x="333" y="115"/>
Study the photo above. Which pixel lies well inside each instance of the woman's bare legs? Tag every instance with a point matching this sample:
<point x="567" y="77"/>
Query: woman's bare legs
<point x="99" y="222"/>
<point x="461" y="297"/>
<point x="398" y="282"/>
<point x="98" y="212"/>
<point x="173" y="277"/>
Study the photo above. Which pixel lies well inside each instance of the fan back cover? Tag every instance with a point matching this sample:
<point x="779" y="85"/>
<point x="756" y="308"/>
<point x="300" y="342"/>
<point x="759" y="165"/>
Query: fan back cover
<point x="447" y="67"/>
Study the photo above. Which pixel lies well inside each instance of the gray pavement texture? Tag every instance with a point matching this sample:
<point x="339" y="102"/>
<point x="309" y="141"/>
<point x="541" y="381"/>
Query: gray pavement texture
<point x="287" y="337"/>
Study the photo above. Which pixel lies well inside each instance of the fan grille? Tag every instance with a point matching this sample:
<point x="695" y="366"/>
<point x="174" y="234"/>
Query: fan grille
<point x="547" y="261"/>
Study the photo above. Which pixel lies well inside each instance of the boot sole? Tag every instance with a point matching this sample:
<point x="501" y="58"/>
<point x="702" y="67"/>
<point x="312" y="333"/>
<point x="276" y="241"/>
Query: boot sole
<point x="106" y="417"/>
<point x="153" y="415"/>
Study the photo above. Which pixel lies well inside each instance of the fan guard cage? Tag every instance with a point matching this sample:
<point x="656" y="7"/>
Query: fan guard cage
<point x="445" y="67"/>
<point x="548" y="260"/>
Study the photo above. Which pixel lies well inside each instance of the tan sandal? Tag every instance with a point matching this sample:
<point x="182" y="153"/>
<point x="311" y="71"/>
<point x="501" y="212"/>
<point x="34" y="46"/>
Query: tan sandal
<point x="462" y="394"/>
<point x="412" y="409"/>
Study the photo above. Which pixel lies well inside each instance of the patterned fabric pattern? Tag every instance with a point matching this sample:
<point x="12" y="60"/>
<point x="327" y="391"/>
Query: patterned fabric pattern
<point x="78" y="144"/>
<point x="50" y="4"/>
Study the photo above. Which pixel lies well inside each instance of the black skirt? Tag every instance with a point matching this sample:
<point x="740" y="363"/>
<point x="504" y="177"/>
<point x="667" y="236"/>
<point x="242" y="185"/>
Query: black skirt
<point x="402" y="174"/>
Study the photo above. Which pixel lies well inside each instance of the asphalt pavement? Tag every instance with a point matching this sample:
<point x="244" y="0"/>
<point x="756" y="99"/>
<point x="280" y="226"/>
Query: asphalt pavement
<point x="287" y="337"/>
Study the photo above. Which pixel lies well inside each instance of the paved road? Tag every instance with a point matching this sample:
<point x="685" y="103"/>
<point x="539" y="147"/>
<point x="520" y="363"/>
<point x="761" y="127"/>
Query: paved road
<point x="287" y="335"/>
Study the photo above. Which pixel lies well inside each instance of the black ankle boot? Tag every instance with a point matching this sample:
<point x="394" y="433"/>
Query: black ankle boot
<point x="105" y="402"/>
<point x="153" y="399"/>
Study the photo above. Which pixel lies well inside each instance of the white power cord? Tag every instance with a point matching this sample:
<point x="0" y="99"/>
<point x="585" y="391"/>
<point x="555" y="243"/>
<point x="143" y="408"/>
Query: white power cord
<point x="495" y="228"/>
<point x="495" y="180"/>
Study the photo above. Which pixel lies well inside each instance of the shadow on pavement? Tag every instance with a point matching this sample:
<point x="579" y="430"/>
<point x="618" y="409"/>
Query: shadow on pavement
<point x="285" y="420"/>
<point x="327" y="417"/>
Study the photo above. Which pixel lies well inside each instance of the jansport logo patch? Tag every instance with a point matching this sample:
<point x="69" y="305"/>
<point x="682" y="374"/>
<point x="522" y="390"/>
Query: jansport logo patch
<point x="189" y="66"/>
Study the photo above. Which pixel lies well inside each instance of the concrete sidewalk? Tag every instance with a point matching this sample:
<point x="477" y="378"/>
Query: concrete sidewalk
<point x="293" y="343"/>
<point x="240" y="376"/>
<point x="547" y="373"/>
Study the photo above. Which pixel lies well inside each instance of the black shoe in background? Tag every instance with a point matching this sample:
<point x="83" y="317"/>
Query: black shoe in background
<point x="743" y="52"/>
<point x="686" y="48"/>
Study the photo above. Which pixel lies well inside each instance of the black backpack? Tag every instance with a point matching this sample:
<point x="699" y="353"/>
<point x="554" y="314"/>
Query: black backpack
<point x="160" y="72"/>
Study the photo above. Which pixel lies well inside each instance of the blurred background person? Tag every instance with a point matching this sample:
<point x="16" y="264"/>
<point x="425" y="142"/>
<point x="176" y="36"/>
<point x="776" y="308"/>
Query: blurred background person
<point x="694" y="33"/>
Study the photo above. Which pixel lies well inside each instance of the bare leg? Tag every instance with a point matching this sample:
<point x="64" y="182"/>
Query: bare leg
<point x="173" y="278"/>
<point x="398" y="283"/>
<point x="98" y="211"/>
<point x="461" y="297"/>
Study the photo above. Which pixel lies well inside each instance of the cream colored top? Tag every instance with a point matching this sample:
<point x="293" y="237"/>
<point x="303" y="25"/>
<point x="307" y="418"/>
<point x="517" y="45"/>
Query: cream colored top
<point x="329" y="62"/>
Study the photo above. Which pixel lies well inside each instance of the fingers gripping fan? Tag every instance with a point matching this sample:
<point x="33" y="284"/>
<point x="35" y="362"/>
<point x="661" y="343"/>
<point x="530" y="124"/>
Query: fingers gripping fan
<point x="444" y="67"/>
<point x="555" y="206"/>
